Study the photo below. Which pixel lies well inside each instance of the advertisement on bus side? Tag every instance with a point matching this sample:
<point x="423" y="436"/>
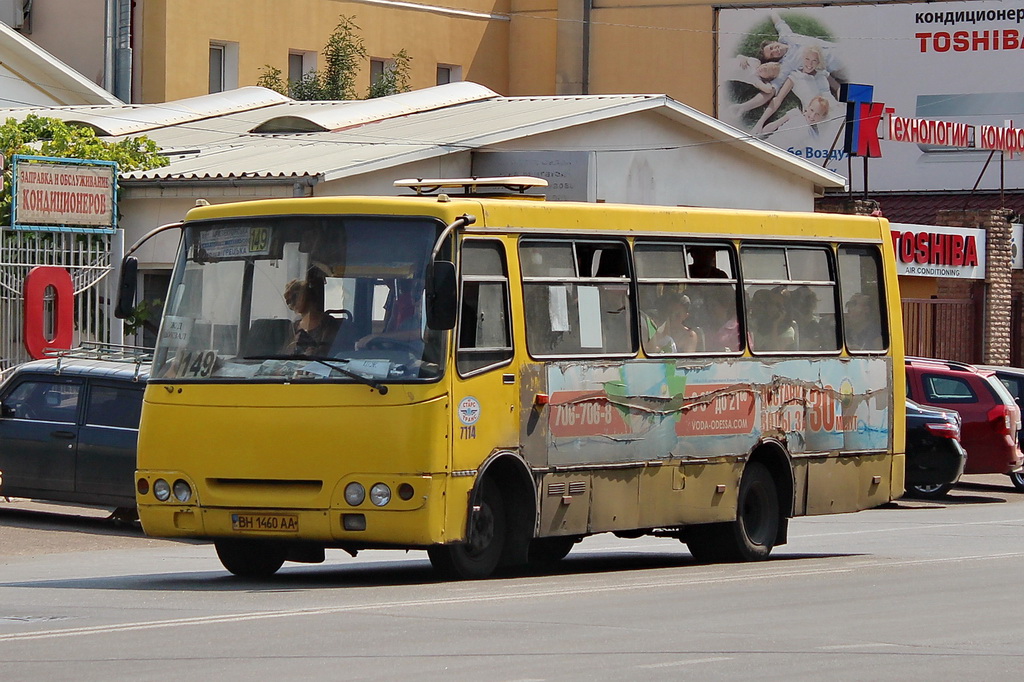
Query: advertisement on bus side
<point x="655" y="410"/>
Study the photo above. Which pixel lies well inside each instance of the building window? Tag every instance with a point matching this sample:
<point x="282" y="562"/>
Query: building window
<point x="216" y="68"/>
<point x="299" y="64"/>
<point x="377" y="67"/>
<point x="447" y="73"/>
<point x="223" y="66"/>
<point x="294" y="67"/>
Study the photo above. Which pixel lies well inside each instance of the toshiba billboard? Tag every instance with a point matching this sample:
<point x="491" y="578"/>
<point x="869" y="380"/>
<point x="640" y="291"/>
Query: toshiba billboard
<point x="929" y="251"/>
<point x="953" y="63"/>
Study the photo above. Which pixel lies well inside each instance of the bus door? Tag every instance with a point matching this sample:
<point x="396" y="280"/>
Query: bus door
<point x="485" y="394"/>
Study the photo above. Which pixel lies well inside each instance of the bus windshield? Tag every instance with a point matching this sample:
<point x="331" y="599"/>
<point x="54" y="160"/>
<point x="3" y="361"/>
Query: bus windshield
<point x="321" y="298"/>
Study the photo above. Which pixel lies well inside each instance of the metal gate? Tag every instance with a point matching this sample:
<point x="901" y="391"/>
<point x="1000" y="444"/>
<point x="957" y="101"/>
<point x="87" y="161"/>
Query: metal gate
<point x="89" y="258"/>
<point x="942" y="328"/>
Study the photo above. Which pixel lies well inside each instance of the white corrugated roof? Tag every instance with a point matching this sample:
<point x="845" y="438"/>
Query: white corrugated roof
<point x="308" y="117"/>
<point x="403" y="134"/>
<point x="217" y="136"/>
<point x="136" y="119"/>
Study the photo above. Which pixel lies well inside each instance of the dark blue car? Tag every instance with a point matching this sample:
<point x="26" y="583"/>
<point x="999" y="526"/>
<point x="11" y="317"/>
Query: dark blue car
<point x="69" y="428"/>
<point x="935" y="458"/>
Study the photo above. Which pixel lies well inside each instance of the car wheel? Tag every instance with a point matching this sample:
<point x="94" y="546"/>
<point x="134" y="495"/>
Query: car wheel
<point x="752" y="535"/>
<point x="250" y="558"/>
<point x="1017" y="477"/>
<point x="928" y="491"/>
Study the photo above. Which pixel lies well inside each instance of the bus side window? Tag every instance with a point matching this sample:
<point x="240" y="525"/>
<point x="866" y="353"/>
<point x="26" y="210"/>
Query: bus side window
<point x="791" y="298"/>
<point x="687" y="298"/>
<point x="485" y="335"/>
<point x="577" y="297"/>
<point x="860" y="272"/>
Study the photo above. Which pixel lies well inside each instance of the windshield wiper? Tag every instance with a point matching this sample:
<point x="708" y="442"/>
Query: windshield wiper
<point x="330" y="363"/>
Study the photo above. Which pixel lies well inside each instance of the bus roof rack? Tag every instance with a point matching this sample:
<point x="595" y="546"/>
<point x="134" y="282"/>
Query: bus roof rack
<point x="517" y="184"/>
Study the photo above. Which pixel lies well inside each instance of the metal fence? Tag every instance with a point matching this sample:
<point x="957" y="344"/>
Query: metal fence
<point x="942" y="328"/>
<point x="89" y="258"/>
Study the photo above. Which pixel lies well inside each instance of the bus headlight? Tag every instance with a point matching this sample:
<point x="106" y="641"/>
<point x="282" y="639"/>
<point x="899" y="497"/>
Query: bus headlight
<point x="182" y="491"/>
<point x="380" y="494"/>
<point x="355" y="493"/>
<point x="162" y="490"/>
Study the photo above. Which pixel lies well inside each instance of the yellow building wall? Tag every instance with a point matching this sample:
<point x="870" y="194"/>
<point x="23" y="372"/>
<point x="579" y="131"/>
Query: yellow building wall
<point x="635" y="46"/>
<point x="176" y="35"/>
<point x="666" y="50"/>
<point x="515" y="47"/>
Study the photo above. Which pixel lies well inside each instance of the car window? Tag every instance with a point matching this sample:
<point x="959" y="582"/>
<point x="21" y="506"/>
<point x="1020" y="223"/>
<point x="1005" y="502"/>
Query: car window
<point x="119" y="406"/>
<point x="43" y="400"/>
<point x="939" y="389"/>
<point x="1012" y="384"/>
<point x="999" y="389"/>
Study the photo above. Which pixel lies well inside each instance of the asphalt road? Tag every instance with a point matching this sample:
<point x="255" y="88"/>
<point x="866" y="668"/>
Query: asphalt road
<point x="912" y="591"/>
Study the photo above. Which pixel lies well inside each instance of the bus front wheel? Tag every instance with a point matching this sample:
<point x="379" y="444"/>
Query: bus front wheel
<point x="249" y="558"/>
<point x="752" y="535"/>
<point x="479" y="555"/>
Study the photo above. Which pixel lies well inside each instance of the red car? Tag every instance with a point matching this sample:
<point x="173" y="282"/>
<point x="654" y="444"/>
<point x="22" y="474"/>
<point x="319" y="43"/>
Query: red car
<point x="990" y="416"/>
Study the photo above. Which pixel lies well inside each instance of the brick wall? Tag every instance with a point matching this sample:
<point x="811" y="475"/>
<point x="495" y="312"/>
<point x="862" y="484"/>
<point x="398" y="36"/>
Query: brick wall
<point x="997" y="291"/>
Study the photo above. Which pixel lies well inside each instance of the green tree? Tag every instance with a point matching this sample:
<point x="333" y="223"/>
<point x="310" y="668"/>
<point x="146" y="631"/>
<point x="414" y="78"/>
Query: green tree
<point x="343" y="54"/>
<point x="43" y="136"/>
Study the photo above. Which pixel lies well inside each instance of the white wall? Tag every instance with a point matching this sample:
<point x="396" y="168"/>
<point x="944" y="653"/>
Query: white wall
<point x="662" y="163"/>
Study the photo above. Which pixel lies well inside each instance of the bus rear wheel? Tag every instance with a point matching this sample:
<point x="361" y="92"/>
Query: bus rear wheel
<point x="752" y="535"/>
<point x="479" y="555"/>
<point x="250" y="558"/>
<point x="547" y="551"/>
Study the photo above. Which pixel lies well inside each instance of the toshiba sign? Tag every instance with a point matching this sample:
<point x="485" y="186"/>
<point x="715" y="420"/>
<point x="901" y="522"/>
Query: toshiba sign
<point x="929" y="251"/>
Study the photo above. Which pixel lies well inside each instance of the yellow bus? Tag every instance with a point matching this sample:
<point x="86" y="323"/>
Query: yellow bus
<point x="493" y="378"/>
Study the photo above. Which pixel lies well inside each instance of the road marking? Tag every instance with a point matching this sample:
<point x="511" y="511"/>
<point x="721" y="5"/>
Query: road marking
<point x="917" y="527"/>
<point x="763" y="572"/>
<point x="692" y="661"/>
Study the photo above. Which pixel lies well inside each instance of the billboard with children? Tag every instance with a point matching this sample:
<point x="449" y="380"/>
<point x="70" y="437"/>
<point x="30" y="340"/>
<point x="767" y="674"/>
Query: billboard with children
<point x="780" y="71"/>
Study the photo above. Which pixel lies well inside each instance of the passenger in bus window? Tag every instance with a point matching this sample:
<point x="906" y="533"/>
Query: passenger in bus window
<point x="771" y="326"/>
<point x="702" y="263"/>
<point x="403" y="321"/>
<point x="811" y="331"/>
<point x="315" y="330"/>
<point x="721" y="328"/>
<point x="863" y="323"/>
<point x="674" y="335"/>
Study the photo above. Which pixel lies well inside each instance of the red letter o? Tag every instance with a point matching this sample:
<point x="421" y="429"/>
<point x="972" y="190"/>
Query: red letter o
<point x="39" y="278"/>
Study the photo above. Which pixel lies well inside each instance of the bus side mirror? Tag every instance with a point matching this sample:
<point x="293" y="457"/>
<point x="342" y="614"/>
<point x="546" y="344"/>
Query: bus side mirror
<point x="442" y="296"/>
<point x="126" y="288"/>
